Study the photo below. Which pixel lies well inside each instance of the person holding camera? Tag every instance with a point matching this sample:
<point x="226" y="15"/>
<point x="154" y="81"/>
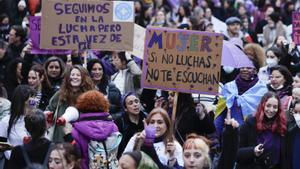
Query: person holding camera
<point x="262" y="136"/>
<point x="291" y="54"/>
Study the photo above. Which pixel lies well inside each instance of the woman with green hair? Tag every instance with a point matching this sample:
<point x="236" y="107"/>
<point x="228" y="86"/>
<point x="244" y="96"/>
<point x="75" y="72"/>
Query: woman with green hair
<point x="136" y="160"/>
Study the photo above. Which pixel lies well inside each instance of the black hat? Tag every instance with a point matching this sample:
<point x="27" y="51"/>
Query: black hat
<point x="232" y="20"/>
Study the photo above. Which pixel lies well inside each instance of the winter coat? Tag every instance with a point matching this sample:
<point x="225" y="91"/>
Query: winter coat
<point x="3" y="67"/>
<point x="36" y="151"/>
<point x="62" y="106"/>
<point x="267" y="31"/>
<point x="128" y="129"/>
<point x="246" y="158"/>
<point x="4" y="107"/>
<point x="96" y="126"/>
<point x="16" y="135"/>
<point x="160" y="149"/>
<point x="132" y="75"/>
<point x="293" y="131"/>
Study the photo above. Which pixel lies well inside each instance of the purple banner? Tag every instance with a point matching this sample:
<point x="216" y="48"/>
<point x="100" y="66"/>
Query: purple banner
<point x="35" y="29"/>
<point x="296" y="27"/>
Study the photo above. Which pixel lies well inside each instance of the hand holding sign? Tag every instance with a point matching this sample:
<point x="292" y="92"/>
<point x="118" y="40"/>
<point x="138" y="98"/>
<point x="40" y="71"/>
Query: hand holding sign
<point x="26" y="49"/>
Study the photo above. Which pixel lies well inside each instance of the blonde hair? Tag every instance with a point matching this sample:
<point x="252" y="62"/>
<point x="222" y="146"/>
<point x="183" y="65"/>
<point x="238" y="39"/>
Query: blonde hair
<point x="201" y="143"/>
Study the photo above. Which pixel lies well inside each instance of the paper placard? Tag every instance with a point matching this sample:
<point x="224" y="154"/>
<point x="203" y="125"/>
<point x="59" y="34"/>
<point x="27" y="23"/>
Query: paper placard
<point x="81" y="24"/>
<point x="182" y="60"/>
<point x="138" y="41"/>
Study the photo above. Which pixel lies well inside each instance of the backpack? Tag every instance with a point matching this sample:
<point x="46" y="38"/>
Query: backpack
<point x="30" y="165"/>
<point x="103" y="154"/>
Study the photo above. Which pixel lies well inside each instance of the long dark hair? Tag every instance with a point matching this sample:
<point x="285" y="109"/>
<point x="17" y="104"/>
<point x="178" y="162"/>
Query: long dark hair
<point x="286" y="74"/>
<point x="185" y="104"/>
<point x="20" y="95"/>
<point x="187" y="11"/>
<point x="104" y="80"/>
<point x="11" y="72"/>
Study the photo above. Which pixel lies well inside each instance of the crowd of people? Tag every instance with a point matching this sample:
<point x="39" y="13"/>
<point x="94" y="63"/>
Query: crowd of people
<point x="86" y="109"/>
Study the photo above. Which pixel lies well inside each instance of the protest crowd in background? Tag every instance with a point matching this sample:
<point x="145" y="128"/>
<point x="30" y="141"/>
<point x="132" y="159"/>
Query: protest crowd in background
<point x="81" y="109"/>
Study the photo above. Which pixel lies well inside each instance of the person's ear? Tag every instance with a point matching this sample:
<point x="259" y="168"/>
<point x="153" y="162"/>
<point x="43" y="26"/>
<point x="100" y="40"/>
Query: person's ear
<point x="71" y="165"/>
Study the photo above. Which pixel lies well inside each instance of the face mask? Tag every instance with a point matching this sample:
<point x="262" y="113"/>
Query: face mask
<point x="279" y="87"/>
<point x="271" y="62"/>
<point x="228" y="69"/>
<point x="297" y="119"/>
<point x="160" y="22"/>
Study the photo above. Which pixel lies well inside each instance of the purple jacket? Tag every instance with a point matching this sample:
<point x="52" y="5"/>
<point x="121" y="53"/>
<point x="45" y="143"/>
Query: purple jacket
<point x="91" y="126"/>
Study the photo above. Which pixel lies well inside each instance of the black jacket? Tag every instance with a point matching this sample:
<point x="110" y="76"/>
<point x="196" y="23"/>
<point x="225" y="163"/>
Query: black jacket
<point x="36" y="152"/>
<point x="248" y="140"/>
<point x="128" y="129"/>
<point x="15" y="51"/>
<point x="293" y="129"/>
<point x="188" y="122"/>
<point x="230" y="144"/>
<point x="3" y="67"/>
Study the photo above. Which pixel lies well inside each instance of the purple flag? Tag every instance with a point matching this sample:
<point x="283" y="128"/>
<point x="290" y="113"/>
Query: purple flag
<point x="296" y="27"/>
<point x="35" y="28"/>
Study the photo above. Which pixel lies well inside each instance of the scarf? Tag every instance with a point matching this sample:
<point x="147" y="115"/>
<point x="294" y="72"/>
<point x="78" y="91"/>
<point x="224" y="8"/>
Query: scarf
<point x="285" y="91"/>
<point x="272" y="145"/>
<point x="243" y="85"/>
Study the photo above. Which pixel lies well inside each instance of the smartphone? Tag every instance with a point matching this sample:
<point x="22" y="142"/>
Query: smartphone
<point x="261" y="147"/>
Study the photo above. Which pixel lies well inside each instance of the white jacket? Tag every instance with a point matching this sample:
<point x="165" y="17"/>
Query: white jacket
<point x="160" y="149"/>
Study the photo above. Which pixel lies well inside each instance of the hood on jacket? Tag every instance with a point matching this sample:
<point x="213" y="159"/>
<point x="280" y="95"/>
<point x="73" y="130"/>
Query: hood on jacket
<point x="96" y="130"/>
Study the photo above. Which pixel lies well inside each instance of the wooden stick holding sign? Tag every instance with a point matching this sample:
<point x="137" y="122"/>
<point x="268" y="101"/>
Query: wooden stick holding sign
<point x="174" y="107"/>
<point x="173" y="118"/>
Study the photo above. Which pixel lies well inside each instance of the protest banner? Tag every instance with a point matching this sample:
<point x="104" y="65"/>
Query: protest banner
<point x="296" y="27"/>
<point x="182" y="60"/>
<point x="93" y="24"/>
<point x="138" y="41"/>
<point x="35" y="30"/>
